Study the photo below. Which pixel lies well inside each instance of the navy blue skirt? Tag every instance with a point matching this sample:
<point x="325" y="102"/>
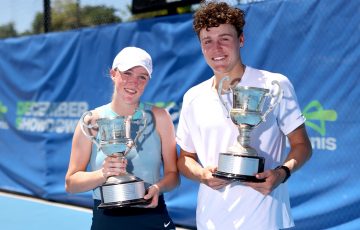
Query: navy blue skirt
<point x="132" y="218"/>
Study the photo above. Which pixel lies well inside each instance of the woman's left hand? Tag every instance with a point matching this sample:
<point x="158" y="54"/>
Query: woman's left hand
<point x="153" y="194"/>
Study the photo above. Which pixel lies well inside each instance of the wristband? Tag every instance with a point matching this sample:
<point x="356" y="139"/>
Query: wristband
<point x="287" y="171"/>
<point x="156" y="186"/>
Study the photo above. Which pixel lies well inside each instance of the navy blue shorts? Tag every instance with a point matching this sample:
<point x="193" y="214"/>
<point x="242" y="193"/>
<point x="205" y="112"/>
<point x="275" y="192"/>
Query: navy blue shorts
<point x="132" y="218"/>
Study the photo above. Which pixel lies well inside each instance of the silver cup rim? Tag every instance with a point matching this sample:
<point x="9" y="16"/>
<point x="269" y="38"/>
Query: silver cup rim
<point x="112" y="118"/>
<point x="236" y="88"/>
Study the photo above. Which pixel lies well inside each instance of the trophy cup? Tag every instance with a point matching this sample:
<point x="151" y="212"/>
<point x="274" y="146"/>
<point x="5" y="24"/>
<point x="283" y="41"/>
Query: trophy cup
<point x="241" y="161"/>
<point x="114" y="138"/>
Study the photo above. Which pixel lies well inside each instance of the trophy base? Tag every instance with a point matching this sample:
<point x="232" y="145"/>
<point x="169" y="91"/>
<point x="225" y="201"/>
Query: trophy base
<point x="128" y="203"/>
<point x="122" y="191"/>
<point x="237" y="177"/>
<point x="240" y="167"/>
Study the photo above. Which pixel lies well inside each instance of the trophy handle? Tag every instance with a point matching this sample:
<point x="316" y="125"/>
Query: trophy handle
<point x="278" y="95"/>
<point x="138" y="133"/>
<point x="84" y="128"/>
<point x="226" y="78"/>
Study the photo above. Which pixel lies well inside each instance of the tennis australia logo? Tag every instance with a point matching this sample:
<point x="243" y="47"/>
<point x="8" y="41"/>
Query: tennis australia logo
<point x="317" y="118"/>
<point x="3" y="111"/>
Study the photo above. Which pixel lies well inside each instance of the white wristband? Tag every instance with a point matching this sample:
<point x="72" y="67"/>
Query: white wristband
<point x="156" y="186"/>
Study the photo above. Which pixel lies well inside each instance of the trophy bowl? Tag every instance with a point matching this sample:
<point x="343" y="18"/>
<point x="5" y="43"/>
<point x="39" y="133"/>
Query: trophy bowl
<point x="241" y="161"/>
<point x="114" y="138"/>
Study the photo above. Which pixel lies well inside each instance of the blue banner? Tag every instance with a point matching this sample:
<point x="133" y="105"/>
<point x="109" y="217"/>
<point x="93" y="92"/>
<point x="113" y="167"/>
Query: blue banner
<point x="49" y="80"/>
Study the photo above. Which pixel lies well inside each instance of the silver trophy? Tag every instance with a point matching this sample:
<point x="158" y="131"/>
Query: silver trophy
<point x="114" y="138"/>
<point x="241" y="161"/>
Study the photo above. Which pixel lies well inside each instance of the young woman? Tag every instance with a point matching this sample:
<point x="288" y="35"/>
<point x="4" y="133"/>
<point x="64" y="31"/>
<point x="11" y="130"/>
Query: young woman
<point x="130" y="73"/>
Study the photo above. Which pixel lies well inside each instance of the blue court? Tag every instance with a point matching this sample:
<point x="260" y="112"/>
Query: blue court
<point x="19" y="213"/>
<point x="22" y="212"/>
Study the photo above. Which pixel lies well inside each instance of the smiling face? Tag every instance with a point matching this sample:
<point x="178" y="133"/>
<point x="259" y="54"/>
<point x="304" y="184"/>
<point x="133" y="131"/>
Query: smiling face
<point x="130" y="84"/>
<point x="220" y="47"/>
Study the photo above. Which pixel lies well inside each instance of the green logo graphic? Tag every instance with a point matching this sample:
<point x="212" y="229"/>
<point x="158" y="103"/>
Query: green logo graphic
<point x="315" y="112"/>
<point x="165" y="104"/>
<point x="3" y="109"/>
<point x="23" y="107"/>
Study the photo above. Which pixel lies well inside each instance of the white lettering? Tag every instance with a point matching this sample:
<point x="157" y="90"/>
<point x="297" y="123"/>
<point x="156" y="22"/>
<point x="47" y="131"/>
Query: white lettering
<point x="4" y="125"/>
<point x="47" y="125"/>
<point x="68" y="109"/>
<point x="47" y="109"/>
<point x="321" y="143"/>
<point x="331" y="144"/>
<point x="38" y="109"/>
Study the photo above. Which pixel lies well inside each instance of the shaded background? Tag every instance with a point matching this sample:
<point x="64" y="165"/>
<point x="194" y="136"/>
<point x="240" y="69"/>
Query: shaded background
<point x="49" y="80"/>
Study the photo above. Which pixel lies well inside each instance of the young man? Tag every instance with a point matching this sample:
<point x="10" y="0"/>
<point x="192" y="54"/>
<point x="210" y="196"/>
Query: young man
<point x="205" y="130"/>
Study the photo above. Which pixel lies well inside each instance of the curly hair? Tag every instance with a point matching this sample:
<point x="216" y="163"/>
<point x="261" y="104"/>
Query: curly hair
<point x="212" y="14"/>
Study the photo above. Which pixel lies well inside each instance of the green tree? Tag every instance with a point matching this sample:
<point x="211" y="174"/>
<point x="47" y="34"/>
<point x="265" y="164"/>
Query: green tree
<point x="67" y="15"/>
<point x="8" y="30"/>
<point x="160" y="13"/>
<point x="97" y="15"/>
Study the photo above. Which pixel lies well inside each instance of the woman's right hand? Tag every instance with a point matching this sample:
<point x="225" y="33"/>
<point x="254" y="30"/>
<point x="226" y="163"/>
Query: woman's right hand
<point x="114" y="165"/>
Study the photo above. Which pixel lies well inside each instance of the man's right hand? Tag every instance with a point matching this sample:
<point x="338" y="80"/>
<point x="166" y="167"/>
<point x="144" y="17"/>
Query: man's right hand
<point x="211" y="181"/>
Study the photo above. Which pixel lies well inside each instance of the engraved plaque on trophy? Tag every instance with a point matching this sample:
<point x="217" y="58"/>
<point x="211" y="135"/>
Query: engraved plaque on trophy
<point x="241" y="161"/>
<point x="114" y="138"/>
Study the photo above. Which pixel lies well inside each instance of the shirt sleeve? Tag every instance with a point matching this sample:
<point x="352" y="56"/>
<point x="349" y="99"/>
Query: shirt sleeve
<point x="290" y="116"/>
<point x="183" y="134"/>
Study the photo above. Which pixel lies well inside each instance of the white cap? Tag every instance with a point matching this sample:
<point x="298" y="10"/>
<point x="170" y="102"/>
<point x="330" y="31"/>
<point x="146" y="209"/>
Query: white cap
<point x="130" y="57"/>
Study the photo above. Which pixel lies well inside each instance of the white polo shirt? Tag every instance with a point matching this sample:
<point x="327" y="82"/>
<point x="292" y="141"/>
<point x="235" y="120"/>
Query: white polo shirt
<point x="206" y="130"/>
